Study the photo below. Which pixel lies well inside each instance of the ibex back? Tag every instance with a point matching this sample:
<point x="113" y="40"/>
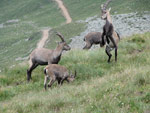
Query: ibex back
<point x="43" y="56"/>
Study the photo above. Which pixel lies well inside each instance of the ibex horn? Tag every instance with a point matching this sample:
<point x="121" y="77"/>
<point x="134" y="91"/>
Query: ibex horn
<point x="102" y="6"/>
<point x="106" y="4"/>
<point x="61" y="36"/>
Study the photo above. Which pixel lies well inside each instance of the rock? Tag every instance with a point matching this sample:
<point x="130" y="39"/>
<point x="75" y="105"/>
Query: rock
<point x="124" y="24"/>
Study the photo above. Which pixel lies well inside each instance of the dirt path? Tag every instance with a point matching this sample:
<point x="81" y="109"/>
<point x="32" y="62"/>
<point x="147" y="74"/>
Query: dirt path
<point x="64" y="11"/>
<point x="41" y="43"/>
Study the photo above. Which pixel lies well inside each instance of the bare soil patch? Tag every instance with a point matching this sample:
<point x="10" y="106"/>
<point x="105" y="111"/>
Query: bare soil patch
<point x="64" y="11"/>
<point x="41" y="43"/>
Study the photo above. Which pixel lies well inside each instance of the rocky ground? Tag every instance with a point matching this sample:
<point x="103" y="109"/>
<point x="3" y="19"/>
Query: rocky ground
<point x="124" y="24"/>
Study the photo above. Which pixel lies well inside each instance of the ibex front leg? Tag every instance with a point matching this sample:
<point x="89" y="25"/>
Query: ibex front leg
<point x="29" y="71"/>
<point x="108" y="50"/>
<point x="45" y="82"/>
<point x="103" y="34"/>
<point x="52" y="80"/>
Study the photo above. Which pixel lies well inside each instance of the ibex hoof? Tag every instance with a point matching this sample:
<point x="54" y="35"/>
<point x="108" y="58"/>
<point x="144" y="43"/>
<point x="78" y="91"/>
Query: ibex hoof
<point x="45" y="87"/>
<point x="49" y="86"/>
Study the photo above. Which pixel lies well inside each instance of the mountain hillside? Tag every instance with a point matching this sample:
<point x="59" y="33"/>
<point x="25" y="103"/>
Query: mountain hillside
<point x="117" y="87"/>
<point x="21" y="22"/>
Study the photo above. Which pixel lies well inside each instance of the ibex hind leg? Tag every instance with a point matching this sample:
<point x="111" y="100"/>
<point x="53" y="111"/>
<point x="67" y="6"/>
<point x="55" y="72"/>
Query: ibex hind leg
<point x="45" y="81"/>
<point x="29" y="71"/>
<point x="108" y="50"/>
<point x="52" y="80"/>
<point x="115" y="46"/>
<point x="87" y="46"/>
<point x="116" y="49"/>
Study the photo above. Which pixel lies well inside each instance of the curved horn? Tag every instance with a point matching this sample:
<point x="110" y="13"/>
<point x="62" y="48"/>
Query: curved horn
<point x="102" y="6"/>
<point x="61" y="36"/>
<point x="106" y="4"/>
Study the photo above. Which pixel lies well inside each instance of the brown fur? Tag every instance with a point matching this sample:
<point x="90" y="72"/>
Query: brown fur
<point x="93" y="38"/>
<point x="57" y="72"/>
<point x="43" y="56"/>
<point x="108" y="31"/>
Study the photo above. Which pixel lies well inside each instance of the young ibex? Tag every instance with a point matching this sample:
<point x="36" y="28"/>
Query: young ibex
<point x="112" y="37"/>
<point x="56" y="72"/>
<point x="93" y="38"/>
<point x="43" y="56"/>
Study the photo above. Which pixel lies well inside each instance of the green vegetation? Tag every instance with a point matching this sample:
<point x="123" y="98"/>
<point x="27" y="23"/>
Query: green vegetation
<point x="68" y="31"/>
<point x="29" y="17"/>
<point x="23" y="22"/>
<point x="42" y="13"/>
<point x="18" y="42"/>
<point x="81" y="9"/>
<point x="99" y="87"/>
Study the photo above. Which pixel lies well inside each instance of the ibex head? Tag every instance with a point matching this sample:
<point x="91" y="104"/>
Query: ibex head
<point x="63" y="42"/>
<point x="104" y="9"/>
<point x="72" y="77"/>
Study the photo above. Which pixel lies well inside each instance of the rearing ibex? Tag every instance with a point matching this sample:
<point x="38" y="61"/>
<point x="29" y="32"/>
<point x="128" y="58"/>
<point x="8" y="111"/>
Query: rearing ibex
<point x="112" y="37"/>
<point x="43" y="56"/>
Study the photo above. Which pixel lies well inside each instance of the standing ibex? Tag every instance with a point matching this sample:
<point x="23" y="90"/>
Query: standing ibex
<point x="112" y="37"/>
<point x="56" y="72"/>
<point x="43" y="56"/>
<point x="93" y="38"/>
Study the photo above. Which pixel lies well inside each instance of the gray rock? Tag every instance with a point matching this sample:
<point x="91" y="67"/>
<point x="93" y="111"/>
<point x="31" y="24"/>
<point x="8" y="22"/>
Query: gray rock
<point x="124" y="24"/>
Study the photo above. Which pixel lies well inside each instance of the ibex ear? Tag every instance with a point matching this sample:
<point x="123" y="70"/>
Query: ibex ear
<point x="109" y="9"/>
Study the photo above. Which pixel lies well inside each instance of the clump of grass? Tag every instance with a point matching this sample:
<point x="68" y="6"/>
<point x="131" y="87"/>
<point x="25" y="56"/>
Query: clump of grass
<point x="137" y="39"/>
<point x="146" y="98"/>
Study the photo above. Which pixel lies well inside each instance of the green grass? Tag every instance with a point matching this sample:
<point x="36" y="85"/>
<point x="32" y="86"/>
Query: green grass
<point x="19" y="42"/>
<point x="34" y="15"/>
<point x="81" y="9"/>
<point x="43" y="13"/>
<point x="68" y="31"/>
<point x="99" y="87"/>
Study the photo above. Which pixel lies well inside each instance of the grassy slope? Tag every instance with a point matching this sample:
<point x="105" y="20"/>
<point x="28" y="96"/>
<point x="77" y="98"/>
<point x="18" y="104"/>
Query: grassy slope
<point x="81" y="9"/>
<point x="100" y="87"/>
<point x="33" y="15"/>
<point x="43" y="13"/>
<point x="68" y="31"/>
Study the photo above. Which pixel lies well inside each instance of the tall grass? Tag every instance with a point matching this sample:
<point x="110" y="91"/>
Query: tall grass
<point x="99" y="86"/>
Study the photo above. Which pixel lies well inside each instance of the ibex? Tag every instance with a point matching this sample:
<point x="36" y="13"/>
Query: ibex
<point x="93" y="38"/>
<point x="43" y="56"/>
<point x="112" y="37"/>
<point x="56" y="72"/>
